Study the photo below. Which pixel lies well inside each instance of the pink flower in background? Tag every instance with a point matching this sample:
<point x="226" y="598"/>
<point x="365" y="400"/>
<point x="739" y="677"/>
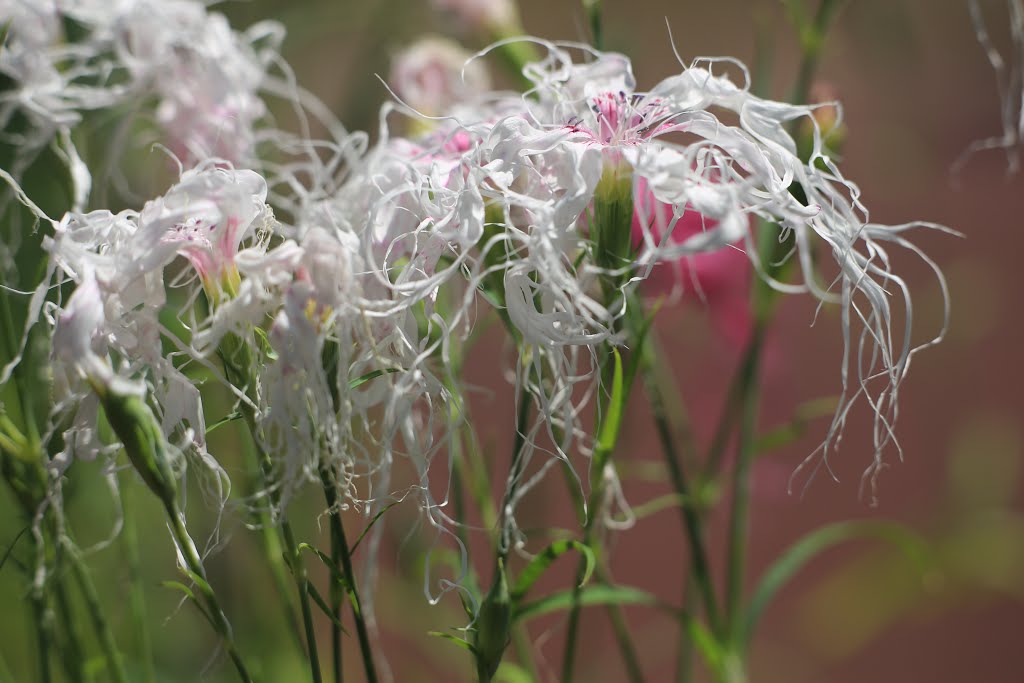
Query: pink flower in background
<point x="718" y="280"/>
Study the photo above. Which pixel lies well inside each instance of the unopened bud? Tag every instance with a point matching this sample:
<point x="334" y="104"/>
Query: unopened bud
<point x="493" y="625"/>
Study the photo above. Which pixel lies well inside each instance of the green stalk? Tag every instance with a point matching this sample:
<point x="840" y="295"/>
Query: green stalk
<point x="196" y="571"/>
<point x="115" y="665"/>
<point x="137" y="593"/>
<point x="362" y="631"/>
<point x="237" y="359"/>
<point x="337" y="538"/>
<point x="690" y="517"/>
<point x="812" y="38"/>
<point x="44" y="633"/>
<point x="608" y="430"/>
<point x="739" y="520"/>
<point x="271" y="540"/>
<point x="593" y="10"/>
<point x="71" y="652"/>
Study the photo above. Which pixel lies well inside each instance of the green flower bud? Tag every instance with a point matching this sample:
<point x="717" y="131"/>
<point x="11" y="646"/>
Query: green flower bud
<point x="493" y="626"/>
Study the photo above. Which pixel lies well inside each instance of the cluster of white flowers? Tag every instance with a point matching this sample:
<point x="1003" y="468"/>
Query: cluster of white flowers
<point x="335" y="330"/>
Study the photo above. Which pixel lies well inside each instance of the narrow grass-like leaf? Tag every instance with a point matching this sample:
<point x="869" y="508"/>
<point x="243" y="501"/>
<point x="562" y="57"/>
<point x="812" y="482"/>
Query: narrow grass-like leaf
<point x="231" y="417"/>
<point x="816" y="542"/>
<point x="336" y="574"/>
<point x="461" y="642"/>
<point x="586" y="597"/>
<point x="539" y="564"/>
<point x="324" y="607"/>
<point x="363" y="379"/>
<point x="370" y="524"/>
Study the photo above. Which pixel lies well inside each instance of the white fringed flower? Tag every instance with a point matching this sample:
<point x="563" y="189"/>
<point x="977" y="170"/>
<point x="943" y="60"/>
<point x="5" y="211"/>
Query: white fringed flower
<point x="697" y="141"/>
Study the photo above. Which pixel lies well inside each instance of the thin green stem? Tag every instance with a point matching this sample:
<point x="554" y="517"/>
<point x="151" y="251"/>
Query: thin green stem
<point x="600" y="459"/>
<point x="686" y="650"/>
<point x="270" y="537"/>
<point x="677" y="475"/>
<point x="194" y="564"/>
<point x="336" y="592"/>
<point x="237" y="358"/>
<point x="298" y="567"/>
<point x="115" y="664"/>
<point x="137" y="594"/>
<point x="515" y="471"/>
<point x="362" y="632"/>
<point x="44" y="632"/>
<point x="71" y="651"/>
<point x="593" y="10"/>
<point x="739" y="520"/>
<point x="620" y="628"/>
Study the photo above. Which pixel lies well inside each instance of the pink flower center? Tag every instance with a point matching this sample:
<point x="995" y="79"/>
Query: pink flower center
<point x="620" y="119"/>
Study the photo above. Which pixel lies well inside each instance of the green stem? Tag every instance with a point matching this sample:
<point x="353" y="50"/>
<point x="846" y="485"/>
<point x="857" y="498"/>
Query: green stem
<point x="739" y="521"/>
<point x="237" y="358"/>
<point x="115" y="665"/>
<point x="337" y="538"/>
<point x="194" y="564"/>
<point x="362" y="631"/>
<point x="137" y="594"/>
<point x="515" y="470"/>
<point x="620" y="628"/>
<point x="686" y="650"/>
<point x="593" y="10"/>
<point x="677" y="475"/>
<point x="601" y="457"/>
<point x="298" y="567"/>
<point x="71" y="652"/>
<point x="271" y="540"/>
<point x="44" y="632"/>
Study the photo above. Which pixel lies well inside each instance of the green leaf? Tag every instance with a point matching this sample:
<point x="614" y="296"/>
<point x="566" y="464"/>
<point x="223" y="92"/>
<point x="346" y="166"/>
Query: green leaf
<point x="223" y="421"/>
<point x="539" y="564"/>
<point x="370" y="524"/>
<point x="324" y="607"/>
<point x="816" y="542"/>
<point x="359" y="381"/>
<point x="327" y="561"/>
<point x="669" y="500"/>
<point x="586" y="597"/>
<point x="461" y="642"/>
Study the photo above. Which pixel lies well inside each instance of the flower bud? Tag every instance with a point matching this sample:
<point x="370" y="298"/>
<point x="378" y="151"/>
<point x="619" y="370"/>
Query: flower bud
<point x="493" y="624"/>
<point x="139" y="432"/>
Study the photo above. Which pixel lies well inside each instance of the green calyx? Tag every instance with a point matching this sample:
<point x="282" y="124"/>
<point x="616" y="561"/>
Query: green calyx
<point x="493" y="626"/>
<point x="611" y="222"/>
<point x="137" y="428"/>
